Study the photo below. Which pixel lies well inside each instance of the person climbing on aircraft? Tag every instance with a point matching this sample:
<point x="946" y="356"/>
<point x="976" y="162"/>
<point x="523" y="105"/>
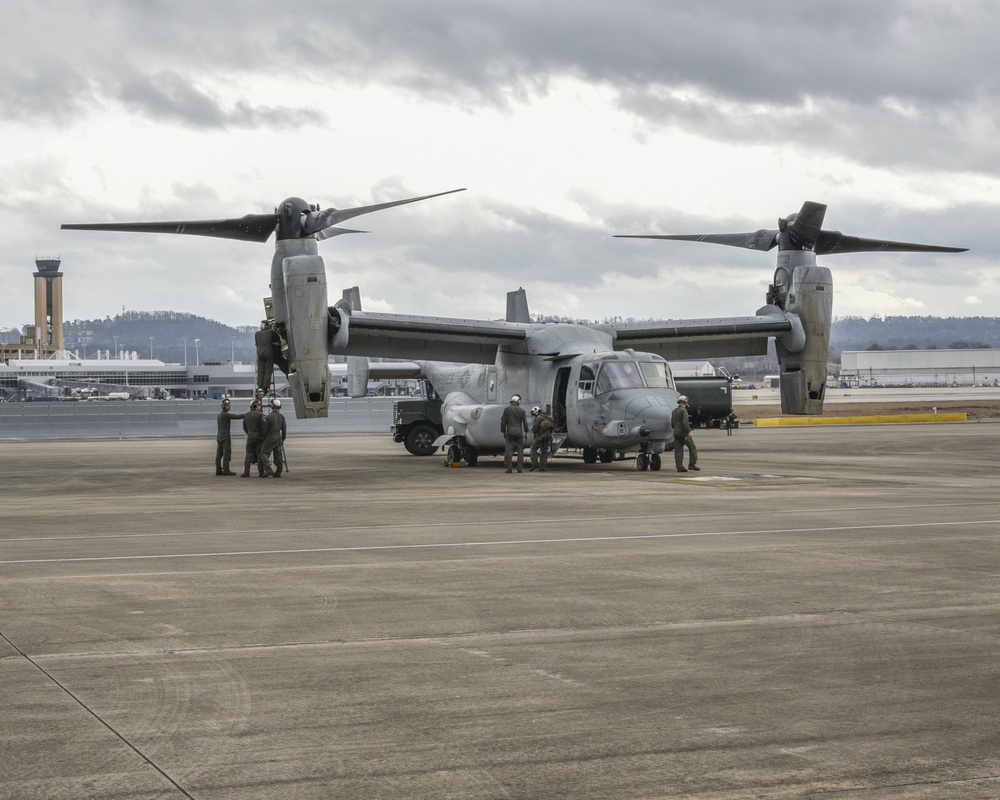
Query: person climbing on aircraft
<point x="265" y="356"/>
<point x="681" y="423"/>
<point x="514" y="427"/>
<point x="277" y="343"/>
<point x="541" y="446"/>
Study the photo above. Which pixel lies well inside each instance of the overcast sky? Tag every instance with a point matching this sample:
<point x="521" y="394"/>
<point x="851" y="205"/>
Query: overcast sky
<point x="568" y="122"/>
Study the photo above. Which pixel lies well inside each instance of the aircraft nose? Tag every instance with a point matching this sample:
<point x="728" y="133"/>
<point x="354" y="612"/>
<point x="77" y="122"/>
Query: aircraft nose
<point x="652" y="412"/>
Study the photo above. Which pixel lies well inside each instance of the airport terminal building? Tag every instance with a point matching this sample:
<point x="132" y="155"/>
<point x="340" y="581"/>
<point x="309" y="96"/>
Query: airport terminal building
<point x="27" y="378"/>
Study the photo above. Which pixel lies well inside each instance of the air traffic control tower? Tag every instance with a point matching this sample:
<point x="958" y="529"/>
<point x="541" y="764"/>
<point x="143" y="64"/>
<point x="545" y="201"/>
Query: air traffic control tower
<point x="49" y="303"/>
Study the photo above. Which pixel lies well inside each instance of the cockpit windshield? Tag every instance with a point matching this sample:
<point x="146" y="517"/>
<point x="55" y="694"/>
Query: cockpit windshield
<point x="612" y="375"/>
<point x="619" y="375"/>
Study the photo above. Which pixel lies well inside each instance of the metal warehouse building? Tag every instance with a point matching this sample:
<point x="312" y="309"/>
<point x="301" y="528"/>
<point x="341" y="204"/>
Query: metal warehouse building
<point x="920" y="367"/>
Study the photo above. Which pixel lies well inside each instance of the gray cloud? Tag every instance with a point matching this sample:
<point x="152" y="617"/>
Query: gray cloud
<point x="776" y="53"/>
<point x="909" y="86"/>
<point x="169" y="97"/>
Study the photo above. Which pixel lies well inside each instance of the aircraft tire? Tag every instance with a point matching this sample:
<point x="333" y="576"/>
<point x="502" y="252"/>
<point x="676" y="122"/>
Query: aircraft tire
<point x="642" y="462"/>
<point x="589" y="455"/>
<point x="607" y="455"/>
<point x="655" y="462"/>
<point x="420" y="440"/>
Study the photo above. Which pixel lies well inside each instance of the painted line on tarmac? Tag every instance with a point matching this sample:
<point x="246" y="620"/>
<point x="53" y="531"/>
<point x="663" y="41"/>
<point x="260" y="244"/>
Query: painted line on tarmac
<point x="501" y="542"/>
<point x="482" y="523"/>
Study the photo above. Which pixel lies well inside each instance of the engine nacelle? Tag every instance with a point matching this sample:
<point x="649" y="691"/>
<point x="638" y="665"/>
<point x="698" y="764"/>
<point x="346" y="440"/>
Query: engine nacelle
<point x="357" y="376"/>
<point x="805" y="293"/>
<point x="479" y="423"/>
<point x="306" y="328"/>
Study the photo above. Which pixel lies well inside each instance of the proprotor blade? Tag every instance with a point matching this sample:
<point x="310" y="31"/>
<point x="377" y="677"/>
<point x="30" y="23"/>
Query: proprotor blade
<point x="832" y="242"/>
<point x="251" y="228"/>
<point x="758" y="240"/>
<point x="806" y="226"/>
<point x="321" y="220"/>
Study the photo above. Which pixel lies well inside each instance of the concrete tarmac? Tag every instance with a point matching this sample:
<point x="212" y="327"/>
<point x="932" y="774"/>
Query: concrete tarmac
<point x="814" y="614"/>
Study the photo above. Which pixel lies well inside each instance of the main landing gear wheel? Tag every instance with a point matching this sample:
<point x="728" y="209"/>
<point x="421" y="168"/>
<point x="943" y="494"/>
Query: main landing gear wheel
<point x="654" y="462"/>
<point x="607" y="456"/>
<point x="642" y="462"/>
<point x="589" y="455"/>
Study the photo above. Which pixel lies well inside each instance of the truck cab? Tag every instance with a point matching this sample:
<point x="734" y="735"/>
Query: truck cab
<point x="416" y="421"/>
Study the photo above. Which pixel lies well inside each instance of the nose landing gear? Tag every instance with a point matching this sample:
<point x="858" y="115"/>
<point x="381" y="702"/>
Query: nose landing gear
<point x="644" y="461"/>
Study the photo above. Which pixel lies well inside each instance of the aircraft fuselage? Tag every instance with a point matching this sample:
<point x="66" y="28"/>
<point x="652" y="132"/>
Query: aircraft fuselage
<point x="600" y="398"/>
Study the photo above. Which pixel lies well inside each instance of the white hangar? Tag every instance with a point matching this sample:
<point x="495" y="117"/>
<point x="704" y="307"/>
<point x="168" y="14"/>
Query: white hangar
<point x="920" y="367"/>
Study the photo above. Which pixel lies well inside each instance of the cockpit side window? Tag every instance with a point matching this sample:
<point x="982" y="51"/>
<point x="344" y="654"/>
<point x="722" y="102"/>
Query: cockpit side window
<point x="585" y="386"/>
<point x="656" y="375"/>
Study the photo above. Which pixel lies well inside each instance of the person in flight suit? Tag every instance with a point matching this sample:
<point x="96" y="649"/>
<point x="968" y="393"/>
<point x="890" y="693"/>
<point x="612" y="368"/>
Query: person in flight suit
<point x="253" y="424"/>
<point x="265" y="356"/>
<point x="541" y="446"/>
<point x="224" y="440"/>
<point x="681" y="423"/>
<point x="514" y="426"/>
<point x="276" y="343"/>
<point x="274" y="437"/>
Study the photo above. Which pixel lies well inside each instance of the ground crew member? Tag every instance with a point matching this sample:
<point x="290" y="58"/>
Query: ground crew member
<point x="681" y="423"/>
<point x="514" y="427"/>
<point x="253" y="424"/>
<point x="274" y="438"/>
<point x="541" y="446"/>
<point x="223" y="440"/>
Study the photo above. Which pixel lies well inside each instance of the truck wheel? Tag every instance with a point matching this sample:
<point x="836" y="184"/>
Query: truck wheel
<point x="420" y="440"/>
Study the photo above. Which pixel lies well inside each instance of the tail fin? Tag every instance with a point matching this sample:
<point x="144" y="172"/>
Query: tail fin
<point x="517" y="306"/>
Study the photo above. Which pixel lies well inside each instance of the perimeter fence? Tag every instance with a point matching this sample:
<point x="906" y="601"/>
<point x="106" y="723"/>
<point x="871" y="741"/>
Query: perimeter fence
<point x="126" y="418"/>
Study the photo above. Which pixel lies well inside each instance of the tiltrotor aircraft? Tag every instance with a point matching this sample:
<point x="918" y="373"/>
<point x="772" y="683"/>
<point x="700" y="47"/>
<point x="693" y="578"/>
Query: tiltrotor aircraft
<point x="608" y="386"/>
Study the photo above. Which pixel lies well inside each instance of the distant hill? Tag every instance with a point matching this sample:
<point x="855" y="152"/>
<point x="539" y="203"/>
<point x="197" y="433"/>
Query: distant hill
<point x="913" y="333"/>
<point x="133" y="329"/>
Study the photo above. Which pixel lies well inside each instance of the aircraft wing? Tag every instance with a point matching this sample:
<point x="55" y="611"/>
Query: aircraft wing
<point x="683" y="339"/>
<point x="428" y="338"/>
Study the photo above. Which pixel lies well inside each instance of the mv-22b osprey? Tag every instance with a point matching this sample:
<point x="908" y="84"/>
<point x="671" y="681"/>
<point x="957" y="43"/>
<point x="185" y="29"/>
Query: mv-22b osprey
<point x="608" y="386"/>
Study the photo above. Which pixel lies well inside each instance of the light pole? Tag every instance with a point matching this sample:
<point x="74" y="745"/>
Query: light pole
<point x="116" y="348"/>
<point x="151" y="347"/>
<point x="185" y="340"/>
<point x="232" y="344"/>
<point x="197" y="361"/>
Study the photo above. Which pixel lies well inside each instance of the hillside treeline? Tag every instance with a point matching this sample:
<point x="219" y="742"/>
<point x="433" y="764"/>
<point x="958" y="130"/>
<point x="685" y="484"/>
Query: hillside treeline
<point x="913" y="333"/>
<point x="207" y="339"/>
<point x="218" y="342"/>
